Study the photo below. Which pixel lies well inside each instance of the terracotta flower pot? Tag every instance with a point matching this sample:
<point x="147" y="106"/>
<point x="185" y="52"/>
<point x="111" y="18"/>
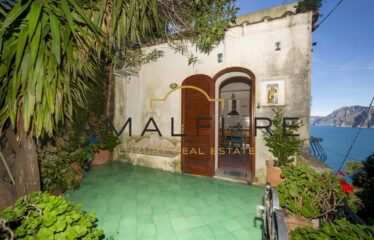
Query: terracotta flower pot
<point x="273" y="174"/>
<point x="101" y="157"/>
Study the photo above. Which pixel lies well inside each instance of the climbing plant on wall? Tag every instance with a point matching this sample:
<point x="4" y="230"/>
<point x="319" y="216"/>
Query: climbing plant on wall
<point x="309" y="5"/>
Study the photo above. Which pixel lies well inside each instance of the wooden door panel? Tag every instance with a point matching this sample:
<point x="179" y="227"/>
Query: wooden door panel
<point x="196" y="157"/>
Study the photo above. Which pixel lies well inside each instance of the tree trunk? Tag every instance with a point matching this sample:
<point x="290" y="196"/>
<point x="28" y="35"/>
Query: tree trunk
<point x="7" y="196"/>
<point x="26" y="168"/>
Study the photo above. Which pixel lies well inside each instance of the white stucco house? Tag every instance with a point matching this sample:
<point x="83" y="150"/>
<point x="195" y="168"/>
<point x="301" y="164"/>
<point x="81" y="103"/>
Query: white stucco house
<point x="210" y="108"/>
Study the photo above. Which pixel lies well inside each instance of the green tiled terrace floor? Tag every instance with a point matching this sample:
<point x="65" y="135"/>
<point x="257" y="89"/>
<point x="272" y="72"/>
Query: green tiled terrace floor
<point x="133" y="202"/>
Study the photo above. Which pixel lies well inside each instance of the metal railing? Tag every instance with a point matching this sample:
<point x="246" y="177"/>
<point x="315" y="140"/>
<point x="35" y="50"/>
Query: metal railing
<point x="273" y="217"/>
<point x="316" y="149"/>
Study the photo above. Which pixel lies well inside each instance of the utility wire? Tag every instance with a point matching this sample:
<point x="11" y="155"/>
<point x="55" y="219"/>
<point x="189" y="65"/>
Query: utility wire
<point x="358" y="132"/>
<point x="338" y="153"/>
<point x="337" y="5"/>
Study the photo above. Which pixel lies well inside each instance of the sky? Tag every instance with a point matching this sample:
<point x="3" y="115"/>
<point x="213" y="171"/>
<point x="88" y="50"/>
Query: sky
<point x="343" y="59"/>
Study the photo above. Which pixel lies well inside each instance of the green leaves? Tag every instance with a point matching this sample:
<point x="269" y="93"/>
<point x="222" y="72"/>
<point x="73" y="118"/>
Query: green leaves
<point x="210" y="20"/>
<point x="60" y="224"/>
<point x="80" y="230"/>
<point x="44" y="233"/>
<point x="340" y="229"/>
<point x="35" y="10"/>
<point x="16" y="11"/>
<point x="51" y="48"/>
<point x="35" y="43"/>
<point x="21" y="42"/>
<point x="90" y="155"/>
<point x="362" y="175"/>
<point x="293" y="191"/>
<point x="66" y="9"/>
<point x="306" y="211"/>
<point x="46" y="59"/>
<point x="308" y="5"/>
<point x="281" y="144"/>
<point x="50" y="219"/>
<point x="311" y="195"/>
<point x="55" y="31"/>
<point x="53" y="162"/>
<point x="26" y="221"/>
<point x="132" y="23"/>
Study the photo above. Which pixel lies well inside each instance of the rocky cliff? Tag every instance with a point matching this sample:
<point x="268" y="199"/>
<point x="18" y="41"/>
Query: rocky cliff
<point x="346" y="117"/>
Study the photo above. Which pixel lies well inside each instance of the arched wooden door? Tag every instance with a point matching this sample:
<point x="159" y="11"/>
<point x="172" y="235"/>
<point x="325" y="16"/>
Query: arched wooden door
<point x="198" y="141"/>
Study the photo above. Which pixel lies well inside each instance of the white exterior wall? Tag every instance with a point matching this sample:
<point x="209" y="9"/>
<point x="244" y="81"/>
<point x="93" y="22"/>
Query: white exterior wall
<point x="249" y="46"/>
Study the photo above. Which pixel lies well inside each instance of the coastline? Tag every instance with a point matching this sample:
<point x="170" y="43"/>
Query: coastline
<point x="340" y="126"/>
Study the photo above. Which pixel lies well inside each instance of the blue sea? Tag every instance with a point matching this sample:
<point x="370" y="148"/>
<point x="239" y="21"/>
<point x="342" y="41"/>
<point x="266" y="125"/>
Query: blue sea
<point x="337" y="140"/>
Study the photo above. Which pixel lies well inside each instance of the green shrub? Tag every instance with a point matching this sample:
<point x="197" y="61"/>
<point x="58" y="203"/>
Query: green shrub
<point x="338" y="230"/>
<point x="307" y="194"/>
<point x="108" y="142"/>
<point x="309" y="5"/>
<point x="55" y="163"/>
<point x="362" y="175"/>
<point x="79" y="150"/>
<point x="42" y="216"/>
<point x="55" y="170"/>
<point x="281" y="145"/>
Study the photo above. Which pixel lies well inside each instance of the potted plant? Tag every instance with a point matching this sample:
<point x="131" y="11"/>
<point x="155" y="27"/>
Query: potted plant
<point x="306" y="195"/>
<point x="282" y="145"/>
<point x="102" y="149"/>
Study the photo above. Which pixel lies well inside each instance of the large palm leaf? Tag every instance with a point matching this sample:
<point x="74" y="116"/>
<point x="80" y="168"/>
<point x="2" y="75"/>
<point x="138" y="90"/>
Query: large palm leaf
<point x="46" y="59"/>
<point x="48" y="47"/>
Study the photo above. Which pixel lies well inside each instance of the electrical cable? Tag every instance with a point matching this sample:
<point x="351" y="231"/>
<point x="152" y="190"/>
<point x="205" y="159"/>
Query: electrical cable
<point x="337" y="5"/>
<point x="358" y="132"/>
<point x="338" y="153"/>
